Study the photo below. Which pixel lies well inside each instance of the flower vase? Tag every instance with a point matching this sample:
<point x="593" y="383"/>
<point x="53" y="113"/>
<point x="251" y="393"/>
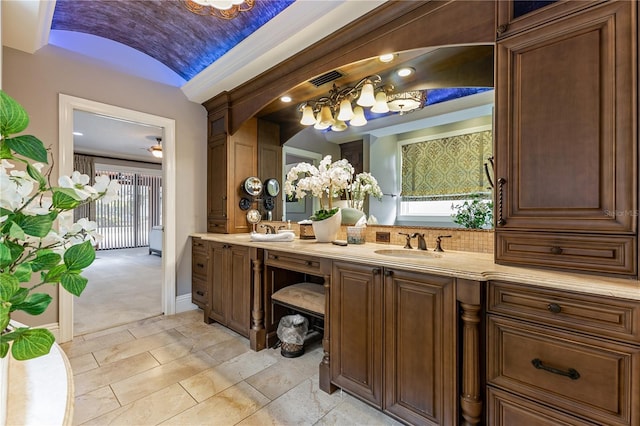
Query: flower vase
<point x="327" y="230"/>
<point x="350" y="215"/>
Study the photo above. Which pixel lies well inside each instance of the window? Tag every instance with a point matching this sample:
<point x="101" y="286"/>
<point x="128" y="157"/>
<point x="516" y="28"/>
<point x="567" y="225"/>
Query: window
<point x="444" y="169"/>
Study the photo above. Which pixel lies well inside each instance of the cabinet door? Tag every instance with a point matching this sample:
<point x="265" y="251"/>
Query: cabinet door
<point x="356" y="330"/>
<point x="218" y="283"/>
<point x="239" y="280"/>
<point x="514" y="16"/>
<point x="217" y="184"/>
<point x="420" y="348"/>
<point x="565" y="135"/>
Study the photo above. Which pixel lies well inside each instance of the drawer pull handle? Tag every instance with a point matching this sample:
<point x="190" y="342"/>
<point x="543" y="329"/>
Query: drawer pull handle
<point x="309" y="263"/>
<point x="554" y="307"/>
<point x="199" y="293"/>
<point x="556" y="250"/>
<point x="200" y="265"/>
<point x="570" y="373"/>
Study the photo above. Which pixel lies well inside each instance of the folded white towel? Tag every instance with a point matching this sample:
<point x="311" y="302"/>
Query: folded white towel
<point x="285" y="236"/>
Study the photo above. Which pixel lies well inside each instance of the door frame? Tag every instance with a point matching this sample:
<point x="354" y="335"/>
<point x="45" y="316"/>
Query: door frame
<point x="67" y="104"/>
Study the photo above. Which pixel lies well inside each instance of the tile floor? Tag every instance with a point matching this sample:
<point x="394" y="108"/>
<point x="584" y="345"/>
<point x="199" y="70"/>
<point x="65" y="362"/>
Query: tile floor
<point x="177" y="370"/>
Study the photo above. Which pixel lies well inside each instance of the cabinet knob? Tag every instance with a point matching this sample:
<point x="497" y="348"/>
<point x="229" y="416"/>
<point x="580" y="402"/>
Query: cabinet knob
<point x="502" y="29"/>
<point x="554" y="307"/>
<point x="199" y="293"/>
<point x="388" y="273"/>
<point x="309" y="263"/>
<point x="376" y="271"/>
<point x="200" y="265"/>
<point x="556" y="250"/>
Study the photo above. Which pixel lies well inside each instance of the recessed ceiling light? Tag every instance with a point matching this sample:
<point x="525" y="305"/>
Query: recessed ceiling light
<point x="78" y="134"/>
<point x="387" y="57"/>
<point x="286" y="99"/>
<point x="404" y="72"/>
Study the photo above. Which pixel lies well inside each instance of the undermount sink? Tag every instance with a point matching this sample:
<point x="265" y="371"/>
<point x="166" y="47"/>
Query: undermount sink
<point x="408" y="253"/>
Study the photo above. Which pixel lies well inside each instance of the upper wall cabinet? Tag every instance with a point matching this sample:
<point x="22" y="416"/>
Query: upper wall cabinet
<point x="230" y="160"/>
<point x="514" y="16"/>
<point x="566" y="141"/>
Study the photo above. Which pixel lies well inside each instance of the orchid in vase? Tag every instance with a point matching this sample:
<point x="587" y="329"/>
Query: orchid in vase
<point x="363" y="185"/>
<point x="325" y="182"/>
<point x="33" y="251"/>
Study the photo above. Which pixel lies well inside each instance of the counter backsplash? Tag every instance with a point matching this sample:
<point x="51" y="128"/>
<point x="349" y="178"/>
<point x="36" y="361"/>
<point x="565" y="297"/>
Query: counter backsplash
<point x="473" y="240"/>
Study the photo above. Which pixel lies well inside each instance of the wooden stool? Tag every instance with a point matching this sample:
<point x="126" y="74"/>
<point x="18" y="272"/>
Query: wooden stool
<point x="307" y="299"/>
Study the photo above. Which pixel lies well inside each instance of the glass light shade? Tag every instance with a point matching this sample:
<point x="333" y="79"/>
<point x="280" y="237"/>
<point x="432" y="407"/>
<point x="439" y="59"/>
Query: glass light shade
<point x="339" y="126"/>
<point x="358" y="118"/>
<point x="326" y="118"/>
<point x="156" y="152"/>
<point x="320" y="126"/>
<point x="404" y="102"/>
<point x="307" y="116"/>
<point x="367" y="97"/>
<point x="345" y="113"/>
<point x="381" y="103"/>
<point x="218" y="4"/>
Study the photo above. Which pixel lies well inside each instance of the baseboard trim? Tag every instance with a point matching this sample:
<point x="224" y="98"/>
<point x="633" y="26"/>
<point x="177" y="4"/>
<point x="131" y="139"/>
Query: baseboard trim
<point x="183" y="303"/>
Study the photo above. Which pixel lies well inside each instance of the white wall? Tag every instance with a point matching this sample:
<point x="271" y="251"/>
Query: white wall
<point x="35" y="80"/>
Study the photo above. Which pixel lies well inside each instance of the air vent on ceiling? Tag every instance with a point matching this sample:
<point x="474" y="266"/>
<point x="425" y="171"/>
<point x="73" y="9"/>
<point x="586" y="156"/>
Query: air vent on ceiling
<point x="326" y="78"/>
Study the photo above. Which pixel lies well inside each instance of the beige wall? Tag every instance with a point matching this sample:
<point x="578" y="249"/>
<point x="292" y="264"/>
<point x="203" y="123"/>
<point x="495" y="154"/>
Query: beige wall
<point x="35" y="80"/>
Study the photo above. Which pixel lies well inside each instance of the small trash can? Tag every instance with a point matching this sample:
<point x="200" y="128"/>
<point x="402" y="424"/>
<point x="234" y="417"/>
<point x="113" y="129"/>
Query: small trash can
<point x="291" y="331"/>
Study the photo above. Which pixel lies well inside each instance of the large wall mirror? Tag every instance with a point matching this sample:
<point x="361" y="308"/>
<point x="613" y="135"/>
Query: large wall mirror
<point x="426" y="159"/>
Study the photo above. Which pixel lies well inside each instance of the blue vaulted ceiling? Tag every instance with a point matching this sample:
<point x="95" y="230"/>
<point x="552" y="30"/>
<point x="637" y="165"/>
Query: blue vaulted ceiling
<point x="164" y="29"/>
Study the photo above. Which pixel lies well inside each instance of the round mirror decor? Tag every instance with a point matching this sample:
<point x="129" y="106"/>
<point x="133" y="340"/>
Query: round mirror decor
<point x="245" y="203"/>
<point x="272" y="187"/>
<point x="253" y="186"/>
<point x="269" y="203"/>
<point x="253" y="216"/>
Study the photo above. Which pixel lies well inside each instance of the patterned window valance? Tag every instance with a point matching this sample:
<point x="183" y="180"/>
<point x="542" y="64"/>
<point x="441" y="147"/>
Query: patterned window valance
<point x="450" y="168"/>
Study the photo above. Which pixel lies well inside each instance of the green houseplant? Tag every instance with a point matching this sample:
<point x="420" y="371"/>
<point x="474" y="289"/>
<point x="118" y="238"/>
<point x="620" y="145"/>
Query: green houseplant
<point x="476" y="213"/>
<point x="34" y="251"/>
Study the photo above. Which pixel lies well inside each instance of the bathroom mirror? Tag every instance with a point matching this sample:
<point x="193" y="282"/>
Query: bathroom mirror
<point x="386" y="137"/>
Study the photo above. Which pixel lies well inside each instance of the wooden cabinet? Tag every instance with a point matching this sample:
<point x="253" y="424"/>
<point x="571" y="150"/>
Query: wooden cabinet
<point x="199" y="272"/>
<point x="230" y="160"/>
<point x="569" y="356"/>
<point x="566" y="141"/>
<point x="393" y="341"/>
<point x="230" y="286"/>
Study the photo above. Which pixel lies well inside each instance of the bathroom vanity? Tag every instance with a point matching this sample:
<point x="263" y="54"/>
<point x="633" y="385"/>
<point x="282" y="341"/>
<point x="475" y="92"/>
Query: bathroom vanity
<point x="453" y="338"/>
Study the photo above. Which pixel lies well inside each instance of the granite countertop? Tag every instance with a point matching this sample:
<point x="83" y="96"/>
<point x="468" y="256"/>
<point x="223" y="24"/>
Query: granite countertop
<point x="459" y="264"/>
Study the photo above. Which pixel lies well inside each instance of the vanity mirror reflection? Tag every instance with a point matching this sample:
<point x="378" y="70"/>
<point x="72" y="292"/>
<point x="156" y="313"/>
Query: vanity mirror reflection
<point x="425" y="160"/>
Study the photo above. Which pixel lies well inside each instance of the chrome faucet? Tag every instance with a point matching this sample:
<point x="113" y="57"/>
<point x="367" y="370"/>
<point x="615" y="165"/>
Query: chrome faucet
<point x="270" y="228"/>
<point x="408" y="243"/>
<point x="422" y="244"/>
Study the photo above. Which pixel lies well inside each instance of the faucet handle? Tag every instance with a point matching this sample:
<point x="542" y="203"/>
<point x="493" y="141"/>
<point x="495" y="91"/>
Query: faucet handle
<point x="408" y="236"/>
<point x="439" y="242"/>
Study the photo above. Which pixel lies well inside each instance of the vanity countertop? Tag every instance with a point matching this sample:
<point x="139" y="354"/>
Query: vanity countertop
<point x="459" y="264"/>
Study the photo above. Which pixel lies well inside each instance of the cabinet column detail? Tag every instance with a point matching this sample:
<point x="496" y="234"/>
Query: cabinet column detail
<point x="325" y="364"/>
<point x="469" y="295"/>
<point x="470" y="400"/>
<point x="257" y="335"/>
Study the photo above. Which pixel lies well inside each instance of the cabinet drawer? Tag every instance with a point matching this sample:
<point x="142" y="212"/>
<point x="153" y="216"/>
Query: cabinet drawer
<point x="306" y="264"/>
<point x="615" y="318"/>
<point x="199" y="292"/>
<point x="593" y="253"/>
<point x="591" y="378"/>
<point x="198" y="245"/>
<point x="199" y="264"/>
<point x="505" y="409"/>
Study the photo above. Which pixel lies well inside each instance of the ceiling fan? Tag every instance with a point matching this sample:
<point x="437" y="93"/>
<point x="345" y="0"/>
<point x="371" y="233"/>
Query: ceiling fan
<point x="156" y="150"/>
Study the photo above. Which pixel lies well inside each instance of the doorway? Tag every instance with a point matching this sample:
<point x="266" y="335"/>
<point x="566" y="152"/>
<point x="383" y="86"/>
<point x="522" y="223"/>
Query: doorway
<point x="67" y="106"/>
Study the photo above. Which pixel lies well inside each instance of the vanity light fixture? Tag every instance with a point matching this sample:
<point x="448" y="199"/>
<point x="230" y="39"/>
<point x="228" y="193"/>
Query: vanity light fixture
<point x="223" y="9"/>
<point x="337" y="111"/>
